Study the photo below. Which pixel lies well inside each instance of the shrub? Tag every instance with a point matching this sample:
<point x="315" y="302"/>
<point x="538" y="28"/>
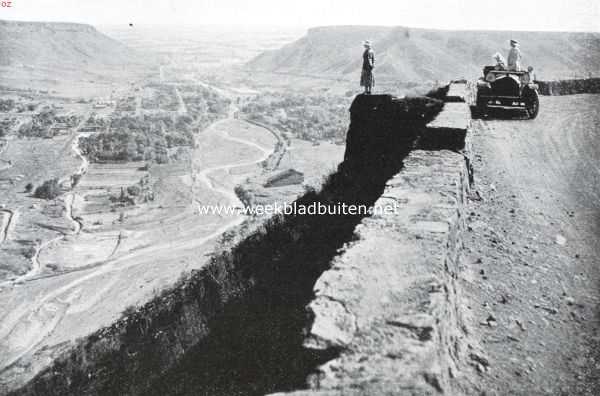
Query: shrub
<point x="49" y="190"/>
<point x="134" y="190"/>
<point x="75" y="179"/>
<point x="29" y="187"/>
<point x="6" y="105"/>
<point x="129" y="310"/>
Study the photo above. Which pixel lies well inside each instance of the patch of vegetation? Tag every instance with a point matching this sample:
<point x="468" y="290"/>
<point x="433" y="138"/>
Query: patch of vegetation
<point x="126" y="104"/>
<point x="145" y="138"/>
<point x="150" y="137"/>
<point x="5" y="127"/>
<point x="50" y="189"/>
<point x="130" y="310"/>
<point x="163" y="97"/>
<point x="204" y="105"/>
<point x="309" y="117"/>
<point x="123" y="199"/>
<point x="7" y="105"/>
<point x="140" y="192"/>
<point x="39" y="124"/>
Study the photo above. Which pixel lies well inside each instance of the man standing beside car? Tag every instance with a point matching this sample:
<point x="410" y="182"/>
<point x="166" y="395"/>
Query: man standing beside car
<point x="514" y="56"/>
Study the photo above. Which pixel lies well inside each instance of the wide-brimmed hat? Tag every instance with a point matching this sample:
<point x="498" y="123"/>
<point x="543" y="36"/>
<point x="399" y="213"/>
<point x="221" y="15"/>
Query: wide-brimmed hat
<point x="514" y="41"/>
<point x="367" y="43"/>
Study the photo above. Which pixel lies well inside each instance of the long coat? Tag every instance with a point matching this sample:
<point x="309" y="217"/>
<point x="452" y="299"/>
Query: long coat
<point x="366" y="76"/>
<point x="514" y="59"/>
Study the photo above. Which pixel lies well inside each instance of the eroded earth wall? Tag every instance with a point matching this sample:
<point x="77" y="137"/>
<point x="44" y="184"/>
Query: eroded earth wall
<point x="383" y="306"/>
<point x="390" y="301"/>
<point x="569" y="87"/>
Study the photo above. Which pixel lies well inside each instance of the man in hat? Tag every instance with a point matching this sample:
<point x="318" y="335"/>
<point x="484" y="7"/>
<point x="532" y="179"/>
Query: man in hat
<point x="366" y="76"/>
<point x="514" y="56"/>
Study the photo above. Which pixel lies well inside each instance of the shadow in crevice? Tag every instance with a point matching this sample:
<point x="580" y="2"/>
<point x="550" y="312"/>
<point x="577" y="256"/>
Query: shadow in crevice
<point x="499" y="114"/>
<point x="237" y="327"/>
<point x="255" y="344"/>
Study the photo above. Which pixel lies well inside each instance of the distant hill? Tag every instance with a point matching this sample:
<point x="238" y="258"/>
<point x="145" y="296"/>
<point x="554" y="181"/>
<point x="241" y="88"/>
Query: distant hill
<point x="51" y="55"/>
<point x="59" y="44"/>
<point x="415" y="55"/>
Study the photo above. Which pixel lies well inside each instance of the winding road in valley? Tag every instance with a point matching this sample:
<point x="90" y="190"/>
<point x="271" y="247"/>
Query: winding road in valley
<point x="25" y="328"/>
<point x="6" y="224"/>
<point x="204" y="175"/>
<point x="37" y="267"/>
<point x="4" y="164"/>
<point x="8" y="216"/>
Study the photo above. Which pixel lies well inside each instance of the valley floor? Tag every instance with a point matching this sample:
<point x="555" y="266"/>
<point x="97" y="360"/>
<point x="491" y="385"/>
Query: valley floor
<point x="90" y="261"/>
<point x="531" y="275"/>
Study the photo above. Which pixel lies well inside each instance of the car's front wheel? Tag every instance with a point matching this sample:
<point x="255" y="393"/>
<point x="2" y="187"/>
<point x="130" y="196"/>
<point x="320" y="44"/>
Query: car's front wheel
<point x="532" y="103"/>
<point x="480" y="106"/>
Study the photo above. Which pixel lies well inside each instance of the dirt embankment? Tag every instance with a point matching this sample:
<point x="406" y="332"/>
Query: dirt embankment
<point x="238" y="325"/>
<point x="570" y="87"/>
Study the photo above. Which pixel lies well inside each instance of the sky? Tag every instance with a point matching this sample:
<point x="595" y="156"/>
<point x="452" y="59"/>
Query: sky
<point x="555" y="15"/>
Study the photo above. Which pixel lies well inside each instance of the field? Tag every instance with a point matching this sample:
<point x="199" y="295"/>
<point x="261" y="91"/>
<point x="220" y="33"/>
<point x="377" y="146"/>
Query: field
<point x="136" y="163"/>
<point x="124" y="226"/>
<point x="31" y="161"/>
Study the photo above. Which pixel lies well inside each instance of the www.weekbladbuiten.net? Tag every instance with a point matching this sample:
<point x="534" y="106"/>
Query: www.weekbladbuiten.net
<point x="294" y="208"/>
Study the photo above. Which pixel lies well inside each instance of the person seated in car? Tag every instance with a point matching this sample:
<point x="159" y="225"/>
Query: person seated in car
<point x="500" y="62"/>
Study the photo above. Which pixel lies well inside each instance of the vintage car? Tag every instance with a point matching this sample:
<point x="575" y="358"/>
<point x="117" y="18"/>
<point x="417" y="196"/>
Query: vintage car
<point x="507" y="89"/>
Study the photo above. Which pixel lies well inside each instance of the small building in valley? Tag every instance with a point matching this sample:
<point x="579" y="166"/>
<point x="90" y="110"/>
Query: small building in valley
<point x="285" y="178"/>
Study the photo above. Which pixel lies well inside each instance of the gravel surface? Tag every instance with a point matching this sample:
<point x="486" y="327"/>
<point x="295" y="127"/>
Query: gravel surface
<point x="531" y="272"/>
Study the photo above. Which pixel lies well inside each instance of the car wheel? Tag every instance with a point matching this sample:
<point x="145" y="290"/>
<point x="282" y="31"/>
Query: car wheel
<point x="480" y="106"/>
<point x="532" y="103"/>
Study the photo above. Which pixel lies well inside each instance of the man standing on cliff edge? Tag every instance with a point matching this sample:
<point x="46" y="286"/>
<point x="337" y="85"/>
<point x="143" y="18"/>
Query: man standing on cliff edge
<point x="366" y="76"/>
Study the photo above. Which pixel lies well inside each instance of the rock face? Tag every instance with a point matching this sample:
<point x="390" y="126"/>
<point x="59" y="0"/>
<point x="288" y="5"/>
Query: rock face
<point x="390" y="301"/>
<point x="383" y="307"/>
<point x="383" y="129"/>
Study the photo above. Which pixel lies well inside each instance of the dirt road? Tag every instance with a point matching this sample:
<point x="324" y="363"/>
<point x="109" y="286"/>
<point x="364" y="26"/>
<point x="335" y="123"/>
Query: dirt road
<point x="7" y="217"/>
<point x="204" y="175"/>
<point x="37" y="267"/>
<point x="531" y="267"/>
<point x="4" y="164"/>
